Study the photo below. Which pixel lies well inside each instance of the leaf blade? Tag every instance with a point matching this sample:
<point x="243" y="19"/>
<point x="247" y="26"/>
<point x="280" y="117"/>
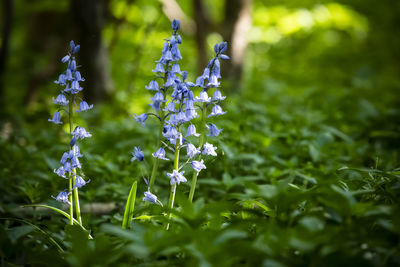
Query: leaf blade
<point x="130" y="207"/>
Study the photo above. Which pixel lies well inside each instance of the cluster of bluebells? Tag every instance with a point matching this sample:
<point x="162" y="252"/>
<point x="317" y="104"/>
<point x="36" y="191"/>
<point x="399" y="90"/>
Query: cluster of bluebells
<point x="177" y="109"/>
<point x="70" y="81"/>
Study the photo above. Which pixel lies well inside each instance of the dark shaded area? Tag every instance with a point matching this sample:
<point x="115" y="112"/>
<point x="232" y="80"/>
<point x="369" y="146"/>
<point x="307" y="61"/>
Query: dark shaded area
<point x="88" y="16"/>
<point x="7" y="10"/>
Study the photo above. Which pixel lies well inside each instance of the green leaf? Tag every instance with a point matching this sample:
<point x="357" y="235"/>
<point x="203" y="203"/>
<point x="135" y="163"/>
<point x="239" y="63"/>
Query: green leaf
<point x="130" y="206"/>
<point x="59" y="211"/>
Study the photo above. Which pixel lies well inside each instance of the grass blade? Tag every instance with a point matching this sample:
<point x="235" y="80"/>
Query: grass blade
<point x="130" y="206"/>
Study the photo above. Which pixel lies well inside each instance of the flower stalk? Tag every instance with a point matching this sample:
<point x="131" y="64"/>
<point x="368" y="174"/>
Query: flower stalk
<point x="201" y="143"/>
<point x="70" y="164"/>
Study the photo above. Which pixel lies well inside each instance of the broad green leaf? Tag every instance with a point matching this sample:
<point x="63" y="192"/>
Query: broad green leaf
<point x="130" y="206"/>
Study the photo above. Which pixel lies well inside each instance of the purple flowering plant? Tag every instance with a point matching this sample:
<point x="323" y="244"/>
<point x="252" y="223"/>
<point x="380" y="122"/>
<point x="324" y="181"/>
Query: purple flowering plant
<point x="179" y="111"/>
<point x="70" y="166"/>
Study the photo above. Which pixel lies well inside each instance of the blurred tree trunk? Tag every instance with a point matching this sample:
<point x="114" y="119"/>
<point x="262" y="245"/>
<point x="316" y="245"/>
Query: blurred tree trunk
<point x="88" y="16"/>
<point x="8" y="9"/>
<point x="202" y="24"/>
<point x="236" y="26"/>
<point x="234" y="29"/>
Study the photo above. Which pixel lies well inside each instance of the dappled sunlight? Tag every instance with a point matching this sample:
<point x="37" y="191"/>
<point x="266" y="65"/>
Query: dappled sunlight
<point x="276" y="22"/>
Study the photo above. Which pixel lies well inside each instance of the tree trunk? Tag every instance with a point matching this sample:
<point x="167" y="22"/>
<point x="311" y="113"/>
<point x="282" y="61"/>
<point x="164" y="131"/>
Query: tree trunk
<point x="236" y="26"/>
<point x="8" y="8"/>
<point x="93" y="57"/>
<point x="202" y="24"/>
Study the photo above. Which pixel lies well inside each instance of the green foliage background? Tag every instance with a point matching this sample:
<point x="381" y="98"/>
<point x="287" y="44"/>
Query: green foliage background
<point x="307" y="172"/>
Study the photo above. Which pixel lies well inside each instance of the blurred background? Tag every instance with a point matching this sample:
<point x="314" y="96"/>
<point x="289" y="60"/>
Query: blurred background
<point x="312" y="87"/>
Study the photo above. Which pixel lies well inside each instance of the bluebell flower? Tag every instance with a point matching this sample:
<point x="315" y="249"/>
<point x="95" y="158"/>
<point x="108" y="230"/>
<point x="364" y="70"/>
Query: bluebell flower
<point x="165" y="47"/>
<point x="170" y="107"/>
<point x="137" y="154"/>
<point x="159" y="68"/>
<point x="173" y="119"/>
<point x="190" y="96"/>
<point x="153" y="85"/>
<point x="78" y="77"/>
<point x="149" y="197"/>
<point x="175" y="24"/>
<point x="184" y="76"/>
<point x="216" y="71"/>
<point x="160" y="154"/>
<point x="61" y="79"/>
<point x="170" y="79"/>
<point x="71" y="45"/>
<point x="176" y="177"/>
<point x="200" y="81"/>
<point x="83" y="106"/>
<point x="198" y="166"/>
<point x="191" y="131"/>
<point x="141" y="118"/>
<point x="223" y="46"/>
<point x="209" y="149"/>
<point x="176" y="53"/>
<point x="76" y="152"/>
<point x="76" y="49"/>
<point x="158" y="97"/>
<point x="191" y="150"/>
<point x="181" y="118"/>
<point x="173" y="40"/>
<point x="60" y="100"/>
<point x="223" y="57"/>
<point x="72" y="65"/>
<point x="156" y="105"/>
<point x="56" y="118"/>
<point x="190" y="84"/>
<point x="75" y="163"/>
<point x="60" y="171"/>
<point x="65" y="59"/>
<point x="217" y="96"/>
<point x="176" y="69"/>
<point x="216" y="110"/>
<point x="63" y="197"/>
<point x="75" y="88"/>
<point x="73" y="141"/>
<point x="213" y="82"/>
<point x="68" y="75"/>
<point x="206" y="72"/>
<point x="189" y="104"/>
<point x="79" y="182"/>
<point x="171" y="134"/>
<point x="216" y="48"/>
<point x="214" y="131"/>
<point x="167" y="56"/>
<point x="191" y="114"/>
<point x="179" y="39"/>
<point x="65" y="157"/>
<point x="81" y="133"/>
<point x="67" y="167"/>
<point x="203" y="97"/>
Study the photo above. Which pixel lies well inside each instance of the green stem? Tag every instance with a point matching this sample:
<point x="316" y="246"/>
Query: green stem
<point x="71" y="207"/>
<point x="176" y="167"/>
<point x="74" y="191"/>
<point x="201" y="143"/>
<point x="76" y="199"/>
<point x="70" y="182"/>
